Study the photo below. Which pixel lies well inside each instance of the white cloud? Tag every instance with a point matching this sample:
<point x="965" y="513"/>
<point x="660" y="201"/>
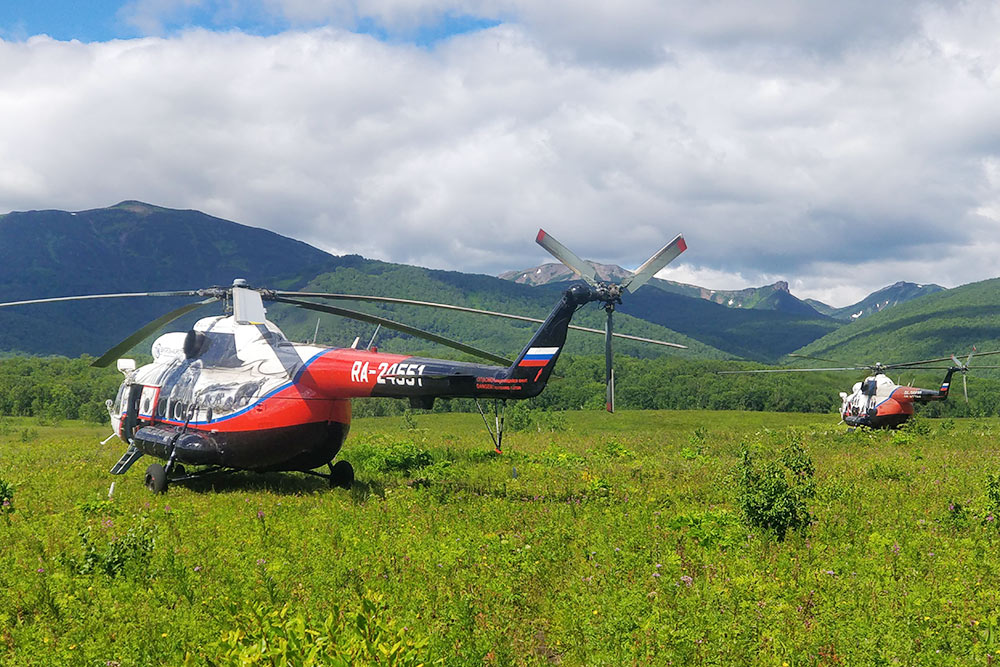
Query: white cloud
<point x="839" y="147"/>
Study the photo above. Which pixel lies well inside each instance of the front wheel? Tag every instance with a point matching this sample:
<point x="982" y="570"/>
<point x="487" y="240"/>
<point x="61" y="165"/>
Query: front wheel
<point x="342" y="475"/>
<point x="156" y="478"/>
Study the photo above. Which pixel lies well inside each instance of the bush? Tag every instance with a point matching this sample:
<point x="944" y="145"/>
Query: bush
<point x="773" y="496"/>
<point x="6" y="498"/>
<point x="993" y="495"/>
<point x="106" y="552"/>
<point x="382" y="454"/>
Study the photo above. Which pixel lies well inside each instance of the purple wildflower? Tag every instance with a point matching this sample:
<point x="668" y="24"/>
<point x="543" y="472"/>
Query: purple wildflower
<point x="687" y="580"/>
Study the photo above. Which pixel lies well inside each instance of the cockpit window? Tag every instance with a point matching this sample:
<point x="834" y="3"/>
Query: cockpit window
<point x="219" y="349"/>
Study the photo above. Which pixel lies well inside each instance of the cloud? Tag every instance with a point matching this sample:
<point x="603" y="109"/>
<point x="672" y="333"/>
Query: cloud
<point x="840" y="147"/>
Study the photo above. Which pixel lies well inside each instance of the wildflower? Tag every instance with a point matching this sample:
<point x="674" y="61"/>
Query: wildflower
<point x="687" y="580"/>
<point x="166" y="509"/>
<point x="261" y="561"/>
<point x="895" y="548"/>
<point x="656" y="574"/>
<point x="659" y="565"/>
<point x="260" y="514"/>
<point x="831" y="572"/>
<point x="197" y="568"/>
<point x="40" y="570"/>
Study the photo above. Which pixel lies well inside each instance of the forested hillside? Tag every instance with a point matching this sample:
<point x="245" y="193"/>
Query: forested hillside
<point x="951" y="321"/>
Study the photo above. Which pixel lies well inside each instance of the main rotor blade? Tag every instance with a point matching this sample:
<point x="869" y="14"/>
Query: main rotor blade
<point x="566" y="256"/>
<point x="806" y="356"/>
<point x="85" y="297"/>
<point x="660" y="259"/>
<point x="127" y="344"/>
<point x="461" y="309"/>
<point x="934" y="361"/>
<point x="795" y="370"/>
<point x="390" y="324"/>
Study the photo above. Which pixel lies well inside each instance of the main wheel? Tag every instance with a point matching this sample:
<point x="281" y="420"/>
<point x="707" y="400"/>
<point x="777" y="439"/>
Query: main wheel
<point x="342" y="475"/>
<point x="156" y="478"/>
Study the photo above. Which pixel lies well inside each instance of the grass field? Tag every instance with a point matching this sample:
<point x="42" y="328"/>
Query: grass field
<point x="598" y="540"/>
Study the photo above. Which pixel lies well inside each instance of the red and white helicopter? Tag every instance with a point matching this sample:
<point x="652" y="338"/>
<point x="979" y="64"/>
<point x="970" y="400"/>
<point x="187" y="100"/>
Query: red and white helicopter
<point x="877" y="401"/>
<point x="233" y="393"/>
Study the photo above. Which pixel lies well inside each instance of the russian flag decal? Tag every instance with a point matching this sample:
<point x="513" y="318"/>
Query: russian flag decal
<point x="538" y="356"/>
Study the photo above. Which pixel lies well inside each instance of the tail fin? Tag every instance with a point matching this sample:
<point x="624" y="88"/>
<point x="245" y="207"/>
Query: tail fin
<point x="535" y="363"/>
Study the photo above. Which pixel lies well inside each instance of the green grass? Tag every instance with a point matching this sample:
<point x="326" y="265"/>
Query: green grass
<point x="616" y="540"/>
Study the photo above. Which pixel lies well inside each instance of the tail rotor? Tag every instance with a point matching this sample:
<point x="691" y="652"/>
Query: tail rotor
<point x="609" y="293"/>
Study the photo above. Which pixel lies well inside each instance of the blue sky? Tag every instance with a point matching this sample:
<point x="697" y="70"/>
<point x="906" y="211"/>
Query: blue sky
<point x="103" y="20"/>
<point x="95" y="21"/>
<point x="838" y="146"/>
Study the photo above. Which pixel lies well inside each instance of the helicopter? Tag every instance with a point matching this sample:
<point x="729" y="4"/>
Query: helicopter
<point x="879" y="403"/>
<point x="233" y="393"/>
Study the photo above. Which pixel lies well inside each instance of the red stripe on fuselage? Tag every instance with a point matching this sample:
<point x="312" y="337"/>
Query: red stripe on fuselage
<point x="286" y="408"/>
<point x="319" y="393"/>
<point x="347" y="373"/>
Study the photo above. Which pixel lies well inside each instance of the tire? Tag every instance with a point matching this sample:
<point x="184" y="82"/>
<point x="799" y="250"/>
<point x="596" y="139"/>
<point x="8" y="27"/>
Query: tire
<point x="156" y="478"/>
<point x="342" y="475"/>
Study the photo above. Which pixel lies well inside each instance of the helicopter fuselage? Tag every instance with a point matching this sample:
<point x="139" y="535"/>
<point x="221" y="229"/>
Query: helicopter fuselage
<point x="878" y="402"/>
<point x="240" y="395"/>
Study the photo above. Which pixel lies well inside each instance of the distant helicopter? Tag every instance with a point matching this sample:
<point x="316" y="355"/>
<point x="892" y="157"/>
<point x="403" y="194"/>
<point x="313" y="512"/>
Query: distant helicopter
<point x="877" y="401"/>
<point x="233" y="393"/>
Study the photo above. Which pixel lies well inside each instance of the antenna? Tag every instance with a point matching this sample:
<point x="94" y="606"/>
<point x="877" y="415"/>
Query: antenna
<point x="316" y="333"/>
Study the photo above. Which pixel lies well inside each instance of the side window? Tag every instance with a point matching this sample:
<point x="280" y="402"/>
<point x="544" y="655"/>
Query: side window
<point x="122" y="399"/>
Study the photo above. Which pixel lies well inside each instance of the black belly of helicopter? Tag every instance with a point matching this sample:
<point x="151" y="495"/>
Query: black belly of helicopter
<point x="876" y="421"/>
<point x="301" y="447"/>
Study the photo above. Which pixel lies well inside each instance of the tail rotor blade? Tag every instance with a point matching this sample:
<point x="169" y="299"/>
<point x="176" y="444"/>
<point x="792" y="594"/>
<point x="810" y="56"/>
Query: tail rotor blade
<point x="965" y="387"/>
<point x="660" y="259"/>
<point x="567" y="257"/>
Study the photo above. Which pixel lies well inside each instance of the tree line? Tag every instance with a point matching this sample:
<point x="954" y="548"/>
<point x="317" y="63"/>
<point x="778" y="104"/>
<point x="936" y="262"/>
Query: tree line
<point x="64" y="388"/>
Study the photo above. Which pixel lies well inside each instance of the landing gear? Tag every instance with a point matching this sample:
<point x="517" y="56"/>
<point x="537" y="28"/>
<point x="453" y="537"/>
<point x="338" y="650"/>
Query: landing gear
<point x="156" y="478"/>
<point x="499" y="408"/>
<point x="341" y="474"/>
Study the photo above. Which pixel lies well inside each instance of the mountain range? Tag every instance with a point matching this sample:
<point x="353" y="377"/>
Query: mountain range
<point x="138" y="247"/>
<point x="768" y="297"/>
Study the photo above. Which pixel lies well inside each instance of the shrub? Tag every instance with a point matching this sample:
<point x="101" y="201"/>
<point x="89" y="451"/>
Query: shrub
<point x="773" y="496"/>
<point x="113" y="554"/>
<point x="382" y="454"/>
<point x="993" y="495"/>
<point x="6" y="498"/>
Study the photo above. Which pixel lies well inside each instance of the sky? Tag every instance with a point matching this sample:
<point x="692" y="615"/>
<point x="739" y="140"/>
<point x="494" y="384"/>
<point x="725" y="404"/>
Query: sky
<point x="838" y="146"/>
